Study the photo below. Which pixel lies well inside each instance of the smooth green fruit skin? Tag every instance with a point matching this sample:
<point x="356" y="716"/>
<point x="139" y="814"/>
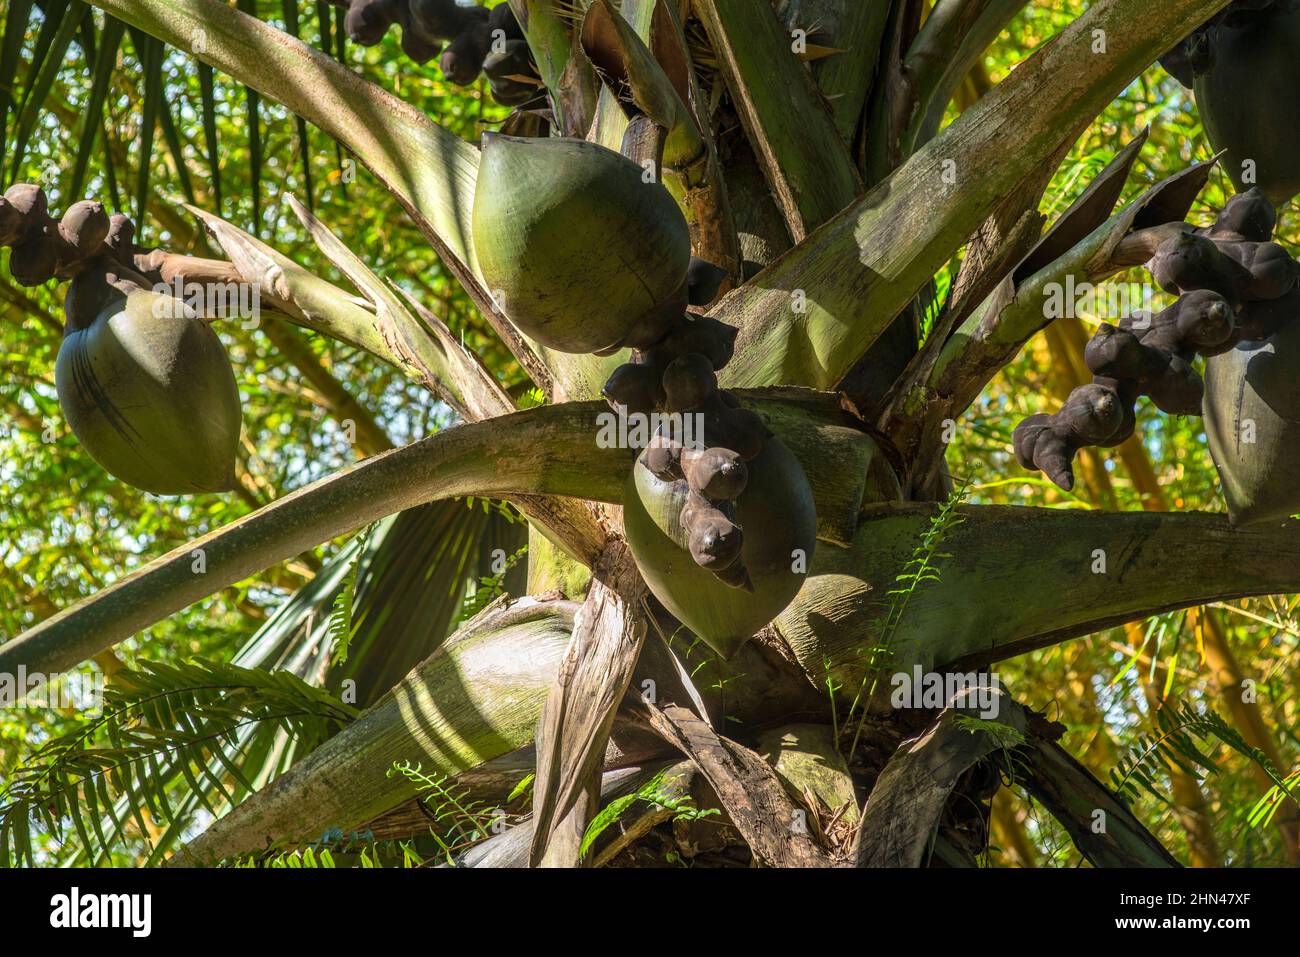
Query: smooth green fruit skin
<point x="574" y="242"/>
<point x="778" y="519"/>
<point x="1249" y="101"/>
<point x="1257" y="383"/>
<point x="152" y="398"/>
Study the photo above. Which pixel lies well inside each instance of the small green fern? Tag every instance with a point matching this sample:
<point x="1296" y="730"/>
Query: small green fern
<point x="490" y="588"/>
<point x="342" y="627"/>
<point x="458" y="821"/>
<point x="1005" y="736"/>
<point x="333" y="850"/>
<point x="658" y="792"/>
<point x="920" y="569"/>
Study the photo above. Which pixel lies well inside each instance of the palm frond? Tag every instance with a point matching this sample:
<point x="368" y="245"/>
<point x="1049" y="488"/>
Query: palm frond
<point x="181" y="714"/>
<point x="15" y="30"/>
<point x="62" y="21"/>
<point x="1177" y="741"/>
<point x="104" y="61"/>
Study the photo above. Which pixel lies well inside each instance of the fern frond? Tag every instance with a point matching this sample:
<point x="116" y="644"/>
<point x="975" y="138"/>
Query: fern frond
<point x="920" y="569"/>
<point x="656" y="792"/>
<point x="459" y="821"/>
<point x="342" y="625"/>
<point x="490" y="588"/>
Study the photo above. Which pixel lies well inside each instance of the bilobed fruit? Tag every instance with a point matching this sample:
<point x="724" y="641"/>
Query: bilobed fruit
<point x="1252" y="421"/>
<point x="776" y="515"/>
<point x="1247" y="85"/>
<point x="583" y="254"/>
<point x="149" y="392"/>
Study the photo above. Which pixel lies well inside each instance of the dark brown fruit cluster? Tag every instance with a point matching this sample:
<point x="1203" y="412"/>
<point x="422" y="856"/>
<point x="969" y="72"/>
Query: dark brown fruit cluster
<point x="1234" y="285"/>
<point x="476" y="40"/>
<point x="678" y="375"/>
<point x="46" y="248"/>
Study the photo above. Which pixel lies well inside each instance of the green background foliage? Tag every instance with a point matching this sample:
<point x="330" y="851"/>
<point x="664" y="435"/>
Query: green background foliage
<point x="67" y="529"/>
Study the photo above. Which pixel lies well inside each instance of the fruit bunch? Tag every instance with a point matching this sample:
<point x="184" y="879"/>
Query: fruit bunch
<point x="143" y="381"/>
<point x="1234" y="285"/>
<point x="46" y="248"/>
<point x="541" y="208"/>
<point x="477" y="40"/>
<point x="678" y="376"/>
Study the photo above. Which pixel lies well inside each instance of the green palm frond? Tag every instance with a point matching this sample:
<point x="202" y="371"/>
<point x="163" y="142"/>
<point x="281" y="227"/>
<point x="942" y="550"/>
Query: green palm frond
<point x="396" y="591"/>
<point x="181" y="715"/>
<point x="105" y="60"/>
<point x="1177" y="741"/>
<point x="412" y="586"/>
<point x="15" y="29"/>
<point x="62" y="21"/>
<point x="1262" y="813"/>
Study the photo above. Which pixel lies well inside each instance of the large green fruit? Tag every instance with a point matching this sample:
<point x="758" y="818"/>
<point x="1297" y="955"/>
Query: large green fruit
<point x="1252" y="420"/>
<point x="582" y="254"/>
<point x="779" y="523"/>
<point x="149" y="393"/>
<point x="1249" y="98"/>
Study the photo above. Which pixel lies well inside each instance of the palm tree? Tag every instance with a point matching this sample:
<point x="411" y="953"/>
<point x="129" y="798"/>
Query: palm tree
<point x="830" y="208"/>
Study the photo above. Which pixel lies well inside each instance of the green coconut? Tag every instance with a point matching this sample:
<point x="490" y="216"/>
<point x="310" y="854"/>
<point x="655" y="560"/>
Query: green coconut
<point x="1249" y="99"/>
<point x="779" y="523"/>
<point x="582" y="254"/>
<point x="150" y="394"/>
<point x="1252" y="421"/>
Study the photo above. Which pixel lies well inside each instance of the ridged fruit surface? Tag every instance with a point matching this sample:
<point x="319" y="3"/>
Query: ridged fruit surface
<point x="1249" y="101"/>
<point x="777" y="518"/>
<point x="1252" y="421"/>
<point x="152" y="398"/>
<point x="575" y="245"/>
